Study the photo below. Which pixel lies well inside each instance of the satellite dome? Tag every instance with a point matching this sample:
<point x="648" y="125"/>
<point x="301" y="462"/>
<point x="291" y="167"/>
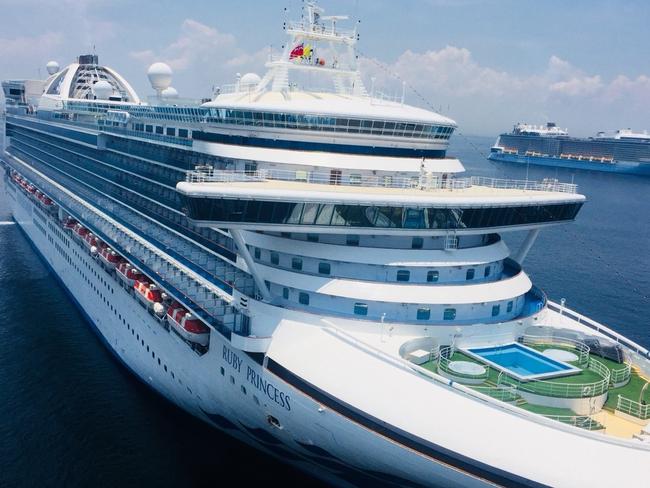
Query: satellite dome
<point x="52" y="67"/>
<point x="102" y="90"/>
<point x="249" y="80"/>
<point x="169" y="92"/>
<point x="160" y="76"/>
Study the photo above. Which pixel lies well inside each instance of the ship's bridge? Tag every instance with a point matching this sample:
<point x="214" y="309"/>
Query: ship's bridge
<point x="290" y="201"/>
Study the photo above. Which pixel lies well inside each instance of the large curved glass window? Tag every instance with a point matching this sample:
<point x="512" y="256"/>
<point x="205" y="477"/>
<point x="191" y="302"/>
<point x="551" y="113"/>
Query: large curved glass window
<point x="287" y="213"/>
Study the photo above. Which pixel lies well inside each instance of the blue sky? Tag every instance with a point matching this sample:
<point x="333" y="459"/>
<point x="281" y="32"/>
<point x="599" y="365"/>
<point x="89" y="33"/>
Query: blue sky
<point x="486" y="63"/>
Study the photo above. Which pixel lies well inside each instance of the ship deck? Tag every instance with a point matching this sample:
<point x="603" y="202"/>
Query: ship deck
<point x="605" y="420"/>
<point x="307" y="186"/>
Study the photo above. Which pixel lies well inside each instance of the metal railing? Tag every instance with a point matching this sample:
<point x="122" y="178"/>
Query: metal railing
<point x="565" y="390"/>
<point x="582" y="421"/>
<point x="581" y="349"/>
<point x="621" y="375"/>
<point x="502" y="393"/>
<point x="320" y="29"/>
<point x="633" y="408"/>
<point x="424" y="181"/>
<point x="606" y="331"/>
<point x="444" y="361"/>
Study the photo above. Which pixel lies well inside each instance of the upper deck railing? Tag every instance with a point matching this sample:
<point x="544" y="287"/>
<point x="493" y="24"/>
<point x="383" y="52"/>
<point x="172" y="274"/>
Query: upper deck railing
<point x="306" y="28"/>
<point x="425" y="181"/>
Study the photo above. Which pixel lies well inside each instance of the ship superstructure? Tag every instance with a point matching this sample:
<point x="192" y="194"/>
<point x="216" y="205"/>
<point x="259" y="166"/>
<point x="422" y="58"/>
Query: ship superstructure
<point x="621" y="151"/>
<point x="308" y="271"/>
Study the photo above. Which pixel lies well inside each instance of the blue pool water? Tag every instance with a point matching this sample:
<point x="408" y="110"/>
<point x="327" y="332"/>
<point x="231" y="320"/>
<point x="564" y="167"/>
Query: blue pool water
<point x="521" y="362"/>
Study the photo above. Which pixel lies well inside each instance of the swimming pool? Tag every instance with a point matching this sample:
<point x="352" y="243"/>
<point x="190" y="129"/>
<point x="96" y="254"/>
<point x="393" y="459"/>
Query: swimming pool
<point x="521" y="361"/>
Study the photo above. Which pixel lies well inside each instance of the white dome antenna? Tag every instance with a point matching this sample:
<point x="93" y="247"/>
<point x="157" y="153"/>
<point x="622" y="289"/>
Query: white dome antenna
<point x="52" y="67"/>
<point x="249" y="81"/>
<point x="160" y="77"/>
<point x="102" y="90"/>
<point x="169" y="92"/>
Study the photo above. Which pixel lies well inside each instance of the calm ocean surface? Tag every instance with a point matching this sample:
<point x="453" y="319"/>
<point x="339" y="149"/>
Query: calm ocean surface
<point x="70" y="415"/>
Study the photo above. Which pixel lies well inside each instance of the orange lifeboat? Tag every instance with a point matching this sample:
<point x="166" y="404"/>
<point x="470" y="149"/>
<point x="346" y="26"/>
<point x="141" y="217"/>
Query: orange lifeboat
<point x="109" y="258"/>
<point x="80" y="231"/>
<point x="187" y="326"/>
<point x="149" y="295"/>
<point x="127" y="274"/>
<point x="47" y="201"/>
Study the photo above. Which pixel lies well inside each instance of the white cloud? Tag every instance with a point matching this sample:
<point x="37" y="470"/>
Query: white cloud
<point x="451" y="76"/>
<point x="201" y="56"/>
<point x="33" y="47"/>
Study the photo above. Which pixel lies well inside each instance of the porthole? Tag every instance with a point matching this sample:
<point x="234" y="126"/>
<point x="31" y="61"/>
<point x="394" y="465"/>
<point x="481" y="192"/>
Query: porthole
<point x="274" y="422"/>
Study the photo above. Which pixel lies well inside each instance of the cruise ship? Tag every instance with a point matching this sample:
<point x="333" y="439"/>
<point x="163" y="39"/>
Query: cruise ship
<point x="303" y="267"/>
<point x="623" y="151"/>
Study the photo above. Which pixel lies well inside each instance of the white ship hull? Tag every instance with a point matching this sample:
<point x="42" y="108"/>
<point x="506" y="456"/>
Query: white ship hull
<point x="344" y="445"/>
<point x="199" y="388"/>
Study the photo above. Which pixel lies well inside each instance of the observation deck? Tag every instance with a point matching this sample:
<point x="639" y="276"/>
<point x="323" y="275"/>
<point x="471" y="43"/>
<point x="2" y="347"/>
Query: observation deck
<point x="428" y="203"/>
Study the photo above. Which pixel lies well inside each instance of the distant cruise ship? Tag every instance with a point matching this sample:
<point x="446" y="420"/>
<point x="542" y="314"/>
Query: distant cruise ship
<point x="624" y="151"/>
<point x="308" y="271"/>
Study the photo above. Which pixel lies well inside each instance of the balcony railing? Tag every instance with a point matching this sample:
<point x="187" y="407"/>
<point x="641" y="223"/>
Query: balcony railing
<point x="425" y="181"/>
<point x="320" y="30"/>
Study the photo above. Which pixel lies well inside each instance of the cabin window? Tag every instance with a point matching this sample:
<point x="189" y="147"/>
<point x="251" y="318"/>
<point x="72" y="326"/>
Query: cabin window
<point x="449" y="314"/>
<point x="352" y="240"/>
<point x="303" y="298"/>
<point x="424" y="314"/>
<point x="171" y="131"/>
<point x="470" y="274"/>
<point x="355" y="179"/>
<point x="487" y="271"/>
<point x="432" y="276"/>
<point x="312" y="237"/>
<point x="183" y="133"/>
<point x="275" y="258"/>
<point x="285" y="293"/>
<point x="324" y="268"/>
<point x="148" y="128"/>
<point x="496" y="309"/>
<point x="403" y="275"/>
<point x="258" y="253"/>
<point x="159" y="129"/>
<point x="417" y="243"/>
<point x="296" y="263"/>
<point x="360" y="309"/>
<point x="509" y="307"/>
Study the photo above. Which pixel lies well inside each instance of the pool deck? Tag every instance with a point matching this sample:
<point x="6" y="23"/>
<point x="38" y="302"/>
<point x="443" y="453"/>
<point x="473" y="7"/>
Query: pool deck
<point x="613" y="424"/>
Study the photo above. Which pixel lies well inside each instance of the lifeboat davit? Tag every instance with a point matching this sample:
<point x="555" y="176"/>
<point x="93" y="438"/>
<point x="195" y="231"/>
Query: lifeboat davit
<point x="127" y="274"/>
<point x="187" y="325"/>
<point x="149" y="295"/>
<point x="109" y="258"/>
<point x="69" y="223"/>
<point x="90" y="241"/>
